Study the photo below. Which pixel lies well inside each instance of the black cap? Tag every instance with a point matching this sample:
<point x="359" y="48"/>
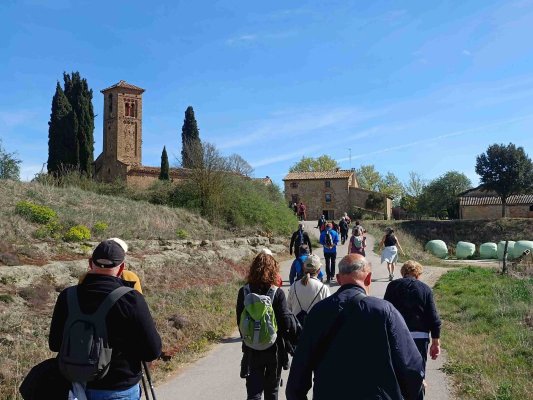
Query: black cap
<point x="108" y="254"/>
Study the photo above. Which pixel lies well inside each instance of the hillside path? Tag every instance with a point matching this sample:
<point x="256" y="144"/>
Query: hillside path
<point x="216" y="376"/>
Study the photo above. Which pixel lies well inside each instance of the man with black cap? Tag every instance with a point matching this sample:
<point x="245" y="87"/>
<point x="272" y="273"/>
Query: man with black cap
<point x="131" y="331"/>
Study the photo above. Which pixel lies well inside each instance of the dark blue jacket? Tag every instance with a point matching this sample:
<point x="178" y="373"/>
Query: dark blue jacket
<point x="372" y="354"/>
<point x="296" y="269"/>
<point x="334" y="238"/>
<point x="414" y="300"/>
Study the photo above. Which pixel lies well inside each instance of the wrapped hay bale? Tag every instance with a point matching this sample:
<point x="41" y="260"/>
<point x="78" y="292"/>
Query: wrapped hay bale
<point x="438" y="248"/>
<point x="509" y="249"/>
<point x="465" y="249"/>
<point x="521" y="246"/>
<point x="488" y="250"/>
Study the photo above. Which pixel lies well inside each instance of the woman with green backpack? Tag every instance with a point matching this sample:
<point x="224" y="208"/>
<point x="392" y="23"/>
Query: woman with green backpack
<point x="262" y="317"/>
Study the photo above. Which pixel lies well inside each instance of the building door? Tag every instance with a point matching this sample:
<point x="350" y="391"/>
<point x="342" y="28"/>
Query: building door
<point x="295" y="199"/>
<point x="329" y="214"/>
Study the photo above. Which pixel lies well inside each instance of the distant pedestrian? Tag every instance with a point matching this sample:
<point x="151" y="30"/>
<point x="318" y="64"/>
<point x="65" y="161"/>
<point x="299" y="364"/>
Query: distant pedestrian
<point x="343" y="227"/>
<point x="357" y="242"/>
<point x="308" y="291"/>
<point x="355" y="346"/>
<point x="358" y="225"/>
<point x="264" y="355"/>
<point x="297" y="267"/>
<point x="329" y="238"/>
<point x="302" y="212"/>
<point x="348" y="219"/>
<point x="299" y="238"/>
<point x="414" y="300"/>
<point x="321" y="223"/>
<point x="390" y="245"/>
<point x="295" y="208"/>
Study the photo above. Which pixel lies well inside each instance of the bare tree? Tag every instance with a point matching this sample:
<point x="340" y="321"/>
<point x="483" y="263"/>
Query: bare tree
<point x="237" y="164"/>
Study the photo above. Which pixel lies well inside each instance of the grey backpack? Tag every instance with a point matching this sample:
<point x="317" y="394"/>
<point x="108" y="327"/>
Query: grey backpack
<point x="85" y="353"/>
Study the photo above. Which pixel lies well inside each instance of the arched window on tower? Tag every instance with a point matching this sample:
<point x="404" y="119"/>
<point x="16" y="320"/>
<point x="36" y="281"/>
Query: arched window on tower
<point x="110" y="101"/>
<point x="127" y="111"/>
<point x="133" y="109"/>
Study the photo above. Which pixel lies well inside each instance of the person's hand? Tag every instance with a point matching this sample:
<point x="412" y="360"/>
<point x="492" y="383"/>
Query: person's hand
<point x="434" y="351"/>
<point x="425" y="384"/>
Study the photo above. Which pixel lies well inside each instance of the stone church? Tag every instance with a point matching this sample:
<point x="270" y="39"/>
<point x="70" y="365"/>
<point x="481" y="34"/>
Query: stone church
<point x="121" y="158"/>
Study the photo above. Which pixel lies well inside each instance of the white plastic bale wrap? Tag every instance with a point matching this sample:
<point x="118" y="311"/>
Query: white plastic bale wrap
<point x="465" y="249"/>
<point x="521" y="246"/>
<point x="438" y="248"/>
<point x="510" y="247"/>
<point x="488" y="251"/>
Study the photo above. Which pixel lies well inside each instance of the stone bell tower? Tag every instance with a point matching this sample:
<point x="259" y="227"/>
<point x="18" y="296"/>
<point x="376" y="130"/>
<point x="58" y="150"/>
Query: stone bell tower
<point x="122" y="124"/>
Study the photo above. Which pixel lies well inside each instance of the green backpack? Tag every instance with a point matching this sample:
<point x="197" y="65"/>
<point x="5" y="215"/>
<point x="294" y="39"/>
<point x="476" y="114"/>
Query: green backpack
<point x="258" y="324"/>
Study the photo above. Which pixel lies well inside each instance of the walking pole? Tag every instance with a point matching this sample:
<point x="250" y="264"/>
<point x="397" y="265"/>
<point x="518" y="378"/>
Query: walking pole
<point x="149" y="377"/>
<point x="145" y="387"/>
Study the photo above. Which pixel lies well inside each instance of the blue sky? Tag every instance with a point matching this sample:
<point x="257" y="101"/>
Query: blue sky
<point x="408" y="86"/>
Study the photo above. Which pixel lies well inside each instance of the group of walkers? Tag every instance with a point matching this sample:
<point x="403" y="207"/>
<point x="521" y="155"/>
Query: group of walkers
<point x="345" y="345"/>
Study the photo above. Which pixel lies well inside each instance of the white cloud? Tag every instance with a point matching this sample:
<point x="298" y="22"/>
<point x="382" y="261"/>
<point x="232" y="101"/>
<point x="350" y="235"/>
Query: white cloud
<point x="466" y="53"/>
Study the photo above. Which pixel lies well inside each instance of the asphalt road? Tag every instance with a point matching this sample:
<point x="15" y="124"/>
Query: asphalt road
<point x="216" y="376"/>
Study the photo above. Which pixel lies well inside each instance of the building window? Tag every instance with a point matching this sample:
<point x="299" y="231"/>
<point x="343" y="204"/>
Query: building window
<point x="294" y="185"/>
<point x="328" y="184"/>
<point x="127" y="109"/>
<point x="531" y="207"/>
<point x="110" y="101"/>
<point x="328" y="197"/>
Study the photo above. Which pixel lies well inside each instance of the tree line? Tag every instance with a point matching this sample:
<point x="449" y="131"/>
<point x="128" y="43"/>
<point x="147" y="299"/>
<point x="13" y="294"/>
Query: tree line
<point x="503" y="169"/>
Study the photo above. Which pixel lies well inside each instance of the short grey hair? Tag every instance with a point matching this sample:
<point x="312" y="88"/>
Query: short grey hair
<point x="350" y="264"/>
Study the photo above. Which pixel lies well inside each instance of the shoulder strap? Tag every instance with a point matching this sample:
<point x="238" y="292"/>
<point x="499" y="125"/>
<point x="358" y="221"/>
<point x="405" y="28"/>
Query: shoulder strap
<point x="272" y="292"/>
<point x="110" y="300"/>
<point x="335" y="328"/>
<point x="296" y="294"/>
<point x="246" y="290"/>
<point x="313" y="301"/>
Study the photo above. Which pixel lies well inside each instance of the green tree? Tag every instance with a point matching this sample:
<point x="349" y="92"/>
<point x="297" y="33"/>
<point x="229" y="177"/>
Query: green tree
<point x="413" y="189"/>
<point x="164" y="173"/>
<point x="191" y="145"/>
<point x="9" y="165"/>
<point x="392" y="187"/>
<point x="63" y="154"/>
<point x="310" y="164"/>
<point x="507" y="170"/>
<point x="80" y="98"/>
<point x="440" y="196"/>
<point x="368" y="178"/>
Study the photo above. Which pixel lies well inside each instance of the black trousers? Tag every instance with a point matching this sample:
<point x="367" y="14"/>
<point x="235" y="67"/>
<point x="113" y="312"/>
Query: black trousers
<point x="344" y="236"/>
<point x="422" y="346"/>
<point x="330" y="264"/>
<point x="265" y="375"/>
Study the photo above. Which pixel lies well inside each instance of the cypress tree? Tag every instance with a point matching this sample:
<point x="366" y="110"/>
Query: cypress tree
<point x="80" y="98"/>
<point x="62" y="142"/>
<point x="191" y="146"/>
<point x="164" y="173"/>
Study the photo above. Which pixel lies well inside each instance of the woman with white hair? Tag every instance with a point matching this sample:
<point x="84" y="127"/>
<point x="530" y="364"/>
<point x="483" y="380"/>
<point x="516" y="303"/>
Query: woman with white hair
<point x="308" y="291"/>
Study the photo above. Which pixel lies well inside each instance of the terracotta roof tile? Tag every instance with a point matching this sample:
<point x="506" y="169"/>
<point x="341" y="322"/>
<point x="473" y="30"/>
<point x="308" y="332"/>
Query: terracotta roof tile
<point x="123" y="84"/>
<point x="494" y="200"/>
<point x="341" y="174"/>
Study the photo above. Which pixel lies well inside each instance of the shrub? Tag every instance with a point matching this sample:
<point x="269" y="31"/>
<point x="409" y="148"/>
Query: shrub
<point x="52" y="229"/>
<point x="182" y="234"/>
<point x="77" y="233"/>
<point x="100" y="227"/>
<point x="35" y="212"/>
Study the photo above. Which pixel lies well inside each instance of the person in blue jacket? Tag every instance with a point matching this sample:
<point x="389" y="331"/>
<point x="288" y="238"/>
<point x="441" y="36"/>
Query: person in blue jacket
<point x="355" y="346"/>
<point x="329" y="239"/>
<point x="296" y="271"/>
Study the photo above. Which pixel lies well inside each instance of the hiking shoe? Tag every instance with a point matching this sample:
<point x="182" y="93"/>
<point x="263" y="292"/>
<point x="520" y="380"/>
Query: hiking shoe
<point x="391" y="277"/>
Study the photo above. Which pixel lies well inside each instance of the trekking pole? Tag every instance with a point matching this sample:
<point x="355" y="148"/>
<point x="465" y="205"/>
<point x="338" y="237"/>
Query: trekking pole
<point x="149" y="377"/>
<point x="145" y="387"/>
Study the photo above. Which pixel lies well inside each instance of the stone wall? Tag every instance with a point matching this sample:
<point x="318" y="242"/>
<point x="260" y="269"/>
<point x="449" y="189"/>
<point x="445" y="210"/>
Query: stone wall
<point x="359" y="196"/>
<point x="495" y="211"/>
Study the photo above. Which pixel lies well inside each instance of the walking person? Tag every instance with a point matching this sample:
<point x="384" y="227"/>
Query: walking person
<point x="130" y="329"/>
<point x="321" y="223"/>
<point x="308" y="291"/>
<point x="357" y="242"/>
<point x="355" y="346"/>
<point x="263" y="355"/>
<point x="390" y="245"/>
<point x="302" y="211"/>
<point x="414" y="300"/>
<point x="344" y="227"/>
<point x="297" y="270"/>
<point x="329" y="239"/>
<point x="299" y="238"/>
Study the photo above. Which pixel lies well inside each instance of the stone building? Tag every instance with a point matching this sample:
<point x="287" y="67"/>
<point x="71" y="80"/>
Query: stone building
<point x="479" y="204"/>
<point x="331" y="193"/>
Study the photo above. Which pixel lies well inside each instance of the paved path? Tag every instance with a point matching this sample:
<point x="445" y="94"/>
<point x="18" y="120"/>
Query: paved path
<point x="216" y="376"/>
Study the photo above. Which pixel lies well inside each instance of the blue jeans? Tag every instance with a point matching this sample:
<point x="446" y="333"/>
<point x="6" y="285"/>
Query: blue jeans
<point x="133" y="393"/>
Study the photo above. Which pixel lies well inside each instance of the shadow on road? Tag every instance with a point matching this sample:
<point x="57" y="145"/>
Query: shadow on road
<point x="231" y="340"/>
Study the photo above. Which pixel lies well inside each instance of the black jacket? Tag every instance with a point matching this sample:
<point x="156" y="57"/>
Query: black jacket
<point x="131" y="330"/>
<point x="372" y="356"/>
<point x="295" y="243"/>
<point x="414" y="300"/>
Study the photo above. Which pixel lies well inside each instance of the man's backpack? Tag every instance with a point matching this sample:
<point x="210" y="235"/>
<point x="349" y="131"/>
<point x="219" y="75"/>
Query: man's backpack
<point x="85" y="353"/>
<point x="328" y="239"/>
<point x="258" y="324"/>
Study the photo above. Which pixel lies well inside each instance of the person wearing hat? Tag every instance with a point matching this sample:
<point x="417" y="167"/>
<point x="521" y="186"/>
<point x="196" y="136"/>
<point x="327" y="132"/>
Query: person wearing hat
<point x="309" y="290"/>
<point x="130" y="328"/>
<point x="297" y="267"/>
<point x="390" y="245"/>
<point x="298" y="239"/>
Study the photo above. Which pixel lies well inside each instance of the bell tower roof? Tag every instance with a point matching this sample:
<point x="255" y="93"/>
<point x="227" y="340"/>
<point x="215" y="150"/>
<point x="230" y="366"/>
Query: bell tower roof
<point x="124" y="85"/>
